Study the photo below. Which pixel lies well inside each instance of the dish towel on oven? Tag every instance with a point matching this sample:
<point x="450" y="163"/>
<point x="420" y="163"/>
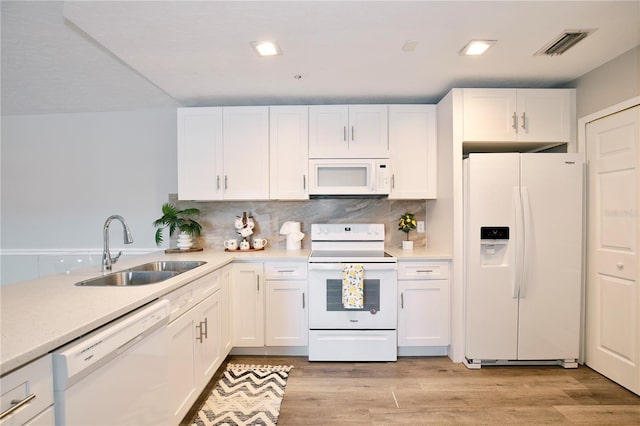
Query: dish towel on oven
<point x="352" y="286"/>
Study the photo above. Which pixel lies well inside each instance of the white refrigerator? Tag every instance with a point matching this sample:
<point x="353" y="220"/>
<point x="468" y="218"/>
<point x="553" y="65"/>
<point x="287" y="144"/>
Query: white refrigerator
<point x="523" y="257"/>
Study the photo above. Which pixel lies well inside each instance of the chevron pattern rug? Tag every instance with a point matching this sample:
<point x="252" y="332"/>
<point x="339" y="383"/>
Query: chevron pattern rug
<point x="245" y="395"/>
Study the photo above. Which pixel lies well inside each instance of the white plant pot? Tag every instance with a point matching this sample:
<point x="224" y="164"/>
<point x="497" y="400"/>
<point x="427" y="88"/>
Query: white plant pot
<point x="407" y="245"/>
<point x="185" y="241"/>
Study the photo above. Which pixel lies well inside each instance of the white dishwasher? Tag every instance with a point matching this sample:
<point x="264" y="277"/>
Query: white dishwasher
<point x="116" y="375"/>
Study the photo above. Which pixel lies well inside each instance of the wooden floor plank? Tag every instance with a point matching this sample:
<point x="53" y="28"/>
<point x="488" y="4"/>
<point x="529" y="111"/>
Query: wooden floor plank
<point x="435" y="390"/>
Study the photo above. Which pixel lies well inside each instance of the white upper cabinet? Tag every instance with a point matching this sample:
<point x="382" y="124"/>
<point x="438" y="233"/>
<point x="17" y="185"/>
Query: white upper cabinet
<point x="289" y="152"/>
<point x="348" y="131"/>
<point x="223" y="153"/>
<point x="413" y="147"/>
<point x="200" y="153"/>
<point x="518" y="115"/>
<point x="246" y="152"/>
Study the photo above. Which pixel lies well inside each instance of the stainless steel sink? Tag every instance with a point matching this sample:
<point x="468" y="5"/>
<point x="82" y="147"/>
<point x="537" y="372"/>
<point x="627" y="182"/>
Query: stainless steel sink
<point x="147" y="273"/>
<point x="168" y="265"/>
<point x="129" y="278"/>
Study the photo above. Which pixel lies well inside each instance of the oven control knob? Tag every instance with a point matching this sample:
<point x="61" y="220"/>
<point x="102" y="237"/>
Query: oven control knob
<point x="373" y="311"/>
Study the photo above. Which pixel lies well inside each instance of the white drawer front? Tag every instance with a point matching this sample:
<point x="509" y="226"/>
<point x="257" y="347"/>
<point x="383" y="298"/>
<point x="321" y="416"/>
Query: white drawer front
<point x="35" y="379"/>
<point x="184" y="298"/>
<point x="423" y="270"/>
<point x="286" y="271"/>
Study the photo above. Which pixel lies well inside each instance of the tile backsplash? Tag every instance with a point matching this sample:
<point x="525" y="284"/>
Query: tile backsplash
<point x="217" y="217"/>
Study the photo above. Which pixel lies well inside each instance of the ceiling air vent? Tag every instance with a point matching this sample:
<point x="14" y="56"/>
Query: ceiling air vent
<point x="563" y="42"/>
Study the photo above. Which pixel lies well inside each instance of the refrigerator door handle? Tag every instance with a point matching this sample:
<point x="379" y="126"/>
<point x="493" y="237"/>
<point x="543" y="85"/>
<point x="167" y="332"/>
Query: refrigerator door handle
<point x="518" y="240"/>
<point x="526" y="238"/>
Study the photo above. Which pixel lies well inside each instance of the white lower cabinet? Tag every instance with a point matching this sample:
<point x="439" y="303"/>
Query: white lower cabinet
<point x="286" y="304"/>
<point x="423" y="297"/>
<point x="247" y="305"/>
<point x="269" y="304"/>
<point x="196" y="340"/>
<point x="27" y="394"/>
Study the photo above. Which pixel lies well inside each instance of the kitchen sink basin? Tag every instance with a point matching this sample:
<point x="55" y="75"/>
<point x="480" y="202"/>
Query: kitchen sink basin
<point x="168" y="266"/>
<point x="129" y="278"/>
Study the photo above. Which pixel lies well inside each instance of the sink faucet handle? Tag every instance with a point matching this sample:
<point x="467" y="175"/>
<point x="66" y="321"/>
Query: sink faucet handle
<point x="115" y="259"/>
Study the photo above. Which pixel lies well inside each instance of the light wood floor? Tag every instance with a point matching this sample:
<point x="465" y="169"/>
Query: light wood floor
<point x="437" y="391"/>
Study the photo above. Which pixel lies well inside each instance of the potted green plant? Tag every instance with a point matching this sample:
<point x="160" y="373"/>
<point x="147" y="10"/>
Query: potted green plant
<point x="178" y="220"/>
<point x="406" y="224"/>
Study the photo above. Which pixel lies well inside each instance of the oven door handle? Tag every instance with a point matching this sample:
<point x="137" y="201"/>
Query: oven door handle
<point x="366" y="266"/>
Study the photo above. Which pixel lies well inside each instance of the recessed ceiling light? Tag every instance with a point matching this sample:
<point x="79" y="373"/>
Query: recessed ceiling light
<point x="409" y="46"/>
<point x="266" y="48"/>
<point x="477" y="47"/>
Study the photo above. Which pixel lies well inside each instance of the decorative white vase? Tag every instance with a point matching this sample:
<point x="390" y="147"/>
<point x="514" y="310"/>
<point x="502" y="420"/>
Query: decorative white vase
<point x="185" y="241"/>
<point x="407" y="245"/>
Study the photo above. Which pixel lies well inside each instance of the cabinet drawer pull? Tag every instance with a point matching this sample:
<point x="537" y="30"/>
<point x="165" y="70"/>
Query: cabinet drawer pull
<point x="17" y="403"/>
<point x="206" y="328"/>
<point x="285" y="270"/>
<point x="426" y="271"/>
<point x="199" y="337"/>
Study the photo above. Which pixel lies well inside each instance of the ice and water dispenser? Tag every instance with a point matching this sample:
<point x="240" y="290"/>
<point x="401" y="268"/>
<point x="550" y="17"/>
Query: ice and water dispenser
<point x="494" y="242"/>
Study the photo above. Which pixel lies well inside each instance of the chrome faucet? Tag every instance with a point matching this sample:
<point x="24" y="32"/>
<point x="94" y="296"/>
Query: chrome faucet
<point x="107" y="260"/>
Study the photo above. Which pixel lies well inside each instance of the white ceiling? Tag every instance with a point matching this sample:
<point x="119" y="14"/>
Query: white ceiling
<point x="104" y="56"/>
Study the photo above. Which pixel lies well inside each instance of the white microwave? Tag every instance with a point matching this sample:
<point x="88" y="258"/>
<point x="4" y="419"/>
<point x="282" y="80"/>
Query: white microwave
<point x="349" y="177"/>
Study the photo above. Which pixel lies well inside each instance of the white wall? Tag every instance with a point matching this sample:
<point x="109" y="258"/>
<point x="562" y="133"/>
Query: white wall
<point x="62" y="175"/>
<point x="611" y="83"/>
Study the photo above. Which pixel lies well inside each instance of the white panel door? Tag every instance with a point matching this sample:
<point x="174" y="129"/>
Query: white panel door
<point x="286" y="313"/>
<point x="490" y="291"/>
<point x="413" y="148"/>
<point x="489" y="115"/>
<point x="368" y="131"/>
<point x="423" y="313"/>
<point x="200" y="153"/>
<point x="544" y="115"/>
<point x="613" y="297"/>
<point x="210" y="312"/>
<point x="550" y="289"/>
<point x="247" y="305"/>
<point x="246" y="153"/>
<point x="328" y="131"/>
<point x="289" y="152"/>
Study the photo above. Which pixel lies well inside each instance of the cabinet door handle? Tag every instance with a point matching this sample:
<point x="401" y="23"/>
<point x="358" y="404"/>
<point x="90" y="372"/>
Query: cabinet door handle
<point x="218" y="183"/>
<point x="199" y="337"/>
<point x="206" y="328"/>
<point x="226" y="182"/>
<point x="393" y="181"/>
<point x="401" y="300"/>
<point x="344" y="133"/>
<point x="352" y="133"/>
<point x="17" y="403"/>
<point x="304" y="182"/>
<point x="303" y="302"/>
<point x="524" y="121"/>
<point x="515" y="122"/>
<point x="258" y="282"/>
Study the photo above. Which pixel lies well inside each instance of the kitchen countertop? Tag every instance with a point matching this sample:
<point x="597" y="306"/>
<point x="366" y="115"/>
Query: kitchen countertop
<point x="41" y="315"/>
